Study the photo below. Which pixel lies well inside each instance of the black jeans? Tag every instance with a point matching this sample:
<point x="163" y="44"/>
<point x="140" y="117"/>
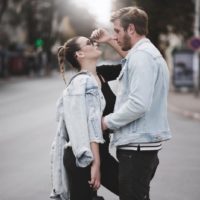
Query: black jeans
<point x="109" y="167"/>
<point x="78" y="178"/>
<point x="136" y="170"/>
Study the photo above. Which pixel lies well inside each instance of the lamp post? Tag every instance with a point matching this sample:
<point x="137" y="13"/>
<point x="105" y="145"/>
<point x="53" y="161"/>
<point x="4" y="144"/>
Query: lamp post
<point x="196" y="53"/>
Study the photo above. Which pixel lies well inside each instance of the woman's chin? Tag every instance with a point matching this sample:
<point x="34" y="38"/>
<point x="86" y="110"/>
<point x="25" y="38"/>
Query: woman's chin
<point x="100" y="52"/>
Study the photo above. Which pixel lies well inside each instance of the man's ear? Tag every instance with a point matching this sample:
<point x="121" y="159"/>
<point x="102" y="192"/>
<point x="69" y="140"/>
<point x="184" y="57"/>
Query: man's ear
<point x="131" y="29"/>
<point x="79" y="54"/>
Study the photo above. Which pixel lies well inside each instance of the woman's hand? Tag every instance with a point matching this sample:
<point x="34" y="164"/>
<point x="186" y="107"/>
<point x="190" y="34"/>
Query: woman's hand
<point x="95" y="181"/>
<point x="101" y="35"/>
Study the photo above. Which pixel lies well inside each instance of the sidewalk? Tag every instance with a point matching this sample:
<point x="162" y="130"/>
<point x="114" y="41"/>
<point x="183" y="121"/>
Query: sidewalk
<point x="184" y="103"/>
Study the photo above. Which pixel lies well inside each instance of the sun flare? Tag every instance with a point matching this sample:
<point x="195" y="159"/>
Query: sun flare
<point x="99" y="8"/>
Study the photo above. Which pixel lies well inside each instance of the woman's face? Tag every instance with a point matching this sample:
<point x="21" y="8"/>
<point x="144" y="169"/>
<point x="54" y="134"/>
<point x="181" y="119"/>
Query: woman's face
<point x="89" y="48"/>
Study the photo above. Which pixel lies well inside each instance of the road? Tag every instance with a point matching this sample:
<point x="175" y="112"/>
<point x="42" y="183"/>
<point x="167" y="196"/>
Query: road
<point x="27" y="127"/>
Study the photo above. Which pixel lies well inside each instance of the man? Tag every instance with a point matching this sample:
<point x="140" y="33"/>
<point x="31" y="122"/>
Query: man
<point x="139" y="120"/>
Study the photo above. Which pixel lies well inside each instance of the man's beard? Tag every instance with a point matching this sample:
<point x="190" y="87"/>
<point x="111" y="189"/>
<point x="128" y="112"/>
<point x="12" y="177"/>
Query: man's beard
<point x="126" y="42"/>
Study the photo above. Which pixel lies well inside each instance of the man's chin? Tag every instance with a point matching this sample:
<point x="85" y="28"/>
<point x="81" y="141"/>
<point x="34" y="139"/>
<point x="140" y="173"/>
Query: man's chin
<point x="124" y="49"/>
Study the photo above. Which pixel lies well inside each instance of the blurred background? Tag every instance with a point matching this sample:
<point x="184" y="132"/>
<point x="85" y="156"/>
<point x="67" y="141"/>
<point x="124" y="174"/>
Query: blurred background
<point x="30" y="33"/>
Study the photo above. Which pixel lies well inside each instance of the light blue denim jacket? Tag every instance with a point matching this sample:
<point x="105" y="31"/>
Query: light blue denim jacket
<point x="140" y="114"/>
<point x="79" y="112"/>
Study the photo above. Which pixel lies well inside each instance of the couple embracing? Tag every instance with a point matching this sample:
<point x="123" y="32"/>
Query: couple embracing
<point x="88" y="112"/>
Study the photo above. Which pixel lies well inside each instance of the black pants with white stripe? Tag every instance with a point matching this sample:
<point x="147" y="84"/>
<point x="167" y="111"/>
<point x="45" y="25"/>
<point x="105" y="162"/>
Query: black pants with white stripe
<point x="136" y="170"/>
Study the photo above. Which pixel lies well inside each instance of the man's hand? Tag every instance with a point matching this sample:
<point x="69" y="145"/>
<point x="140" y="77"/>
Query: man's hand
<point x="104" y="125"/>
<point x="101" y="35"/>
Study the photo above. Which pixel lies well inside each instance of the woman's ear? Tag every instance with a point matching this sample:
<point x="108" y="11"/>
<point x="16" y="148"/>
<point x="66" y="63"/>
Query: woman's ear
<point x="79" y="54"/>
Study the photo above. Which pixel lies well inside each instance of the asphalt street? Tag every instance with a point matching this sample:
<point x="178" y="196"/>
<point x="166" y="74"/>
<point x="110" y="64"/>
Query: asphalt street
<point x="28" y="125"/>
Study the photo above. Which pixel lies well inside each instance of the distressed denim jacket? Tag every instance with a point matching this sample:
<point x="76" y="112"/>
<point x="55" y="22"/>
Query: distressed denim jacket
<point x="79" y="113"/>
<point x="140" y="114"/>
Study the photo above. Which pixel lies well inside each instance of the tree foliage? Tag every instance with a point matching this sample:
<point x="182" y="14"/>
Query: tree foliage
<point x="82" y="21"/>
<point x="36" y="17"/>
<point x="3" y="6"/>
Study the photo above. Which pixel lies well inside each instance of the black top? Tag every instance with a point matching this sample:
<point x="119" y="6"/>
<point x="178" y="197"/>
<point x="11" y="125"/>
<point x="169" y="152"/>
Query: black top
<point x="108" y="73"/>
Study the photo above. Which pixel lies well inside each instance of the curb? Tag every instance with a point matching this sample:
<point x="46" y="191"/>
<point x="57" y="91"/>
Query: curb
<point x="185" y="113"/>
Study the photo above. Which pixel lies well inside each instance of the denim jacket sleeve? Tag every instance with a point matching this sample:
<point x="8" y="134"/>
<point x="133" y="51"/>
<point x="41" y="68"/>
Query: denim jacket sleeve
<point x="94" y="112"/>
<point x="141" y="80"/>
<point x="60" y="189"/>
<point x="75" y="100"/>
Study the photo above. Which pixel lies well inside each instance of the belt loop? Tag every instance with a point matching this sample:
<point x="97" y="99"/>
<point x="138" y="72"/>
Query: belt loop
<point x="138" y="147"/>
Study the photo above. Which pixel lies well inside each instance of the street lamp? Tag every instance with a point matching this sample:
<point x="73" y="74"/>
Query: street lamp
<point x="196" y="53"/>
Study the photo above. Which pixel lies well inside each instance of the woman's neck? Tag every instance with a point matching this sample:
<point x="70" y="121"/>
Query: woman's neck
<point x="89" y="66"/>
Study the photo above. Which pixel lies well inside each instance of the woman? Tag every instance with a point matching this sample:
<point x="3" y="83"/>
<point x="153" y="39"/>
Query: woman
<point x="85" y="86"/>
<point x="82" y="105"/>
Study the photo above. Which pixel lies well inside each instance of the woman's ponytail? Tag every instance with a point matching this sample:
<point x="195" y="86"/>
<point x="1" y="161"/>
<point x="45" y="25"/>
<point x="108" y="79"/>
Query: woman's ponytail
<point x="61" y="61"/>
<point x="67" y="53"/>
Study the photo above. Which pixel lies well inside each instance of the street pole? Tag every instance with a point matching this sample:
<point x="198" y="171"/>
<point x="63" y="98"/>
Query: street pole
<point x="196" y="53"/>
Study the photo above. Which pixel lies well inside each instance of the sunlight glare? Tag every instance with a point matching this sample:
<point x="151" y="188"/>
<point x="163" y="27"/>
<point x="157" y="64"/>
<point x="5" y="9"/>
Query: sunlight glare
<point x="99" y="8"/>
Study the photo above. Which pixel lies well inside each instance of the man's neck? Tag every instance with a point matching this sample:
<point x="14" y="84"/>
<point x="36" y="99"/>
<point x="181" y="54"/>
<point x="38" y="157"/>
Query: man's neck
<point x="137" y="38"/>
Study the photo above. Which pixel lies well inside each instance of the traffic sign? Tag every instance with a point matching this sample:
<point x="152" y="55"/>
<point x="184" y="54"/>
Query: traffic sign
<point x="194" y="43"/>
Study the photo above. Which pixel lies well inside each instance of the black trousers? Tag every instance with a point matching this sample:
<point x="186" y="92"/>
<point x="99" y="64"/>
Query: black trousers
<point x="109" y="167"/>
<point x="79" y="177"/>
<point x="136" y="170"/>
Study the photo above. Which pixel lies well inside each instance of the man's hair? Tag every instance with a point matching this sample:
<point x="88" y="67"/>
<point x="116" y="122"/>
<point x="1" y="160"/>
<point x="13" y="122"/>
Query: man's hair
<point x="132" y="15"/>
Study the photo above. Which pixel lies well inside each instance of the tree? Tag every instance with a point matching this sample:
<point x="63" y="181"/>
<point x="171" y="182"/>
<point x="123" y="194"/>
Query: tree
<point x="81" y="20"/>
<point x="3" y="7"/>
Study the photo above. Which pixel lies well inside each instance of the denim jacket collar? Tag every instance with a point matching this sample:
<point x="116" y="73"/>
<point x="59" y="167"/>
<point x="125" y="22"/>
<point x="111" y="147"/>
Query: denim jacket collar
<point x="140" y="42"/>
<point x="82" y="72"/>
<point x="137" y="44"/>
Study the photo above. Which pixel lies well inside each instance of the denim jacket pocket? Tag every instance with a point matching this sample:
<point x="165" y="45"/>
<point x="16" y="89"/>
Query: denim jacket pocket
<point x="92" y="90"/>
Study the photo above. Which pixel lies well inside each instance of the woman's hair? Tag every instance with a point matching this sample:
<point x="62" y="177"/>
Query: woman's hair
<point x="67" y="53"/>
<point x="132" y="15"/>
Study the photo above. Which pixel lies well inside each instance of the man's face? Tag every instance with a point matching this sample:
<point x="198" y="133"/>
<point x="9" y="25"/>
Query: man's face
<point x="122" y="37"/>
